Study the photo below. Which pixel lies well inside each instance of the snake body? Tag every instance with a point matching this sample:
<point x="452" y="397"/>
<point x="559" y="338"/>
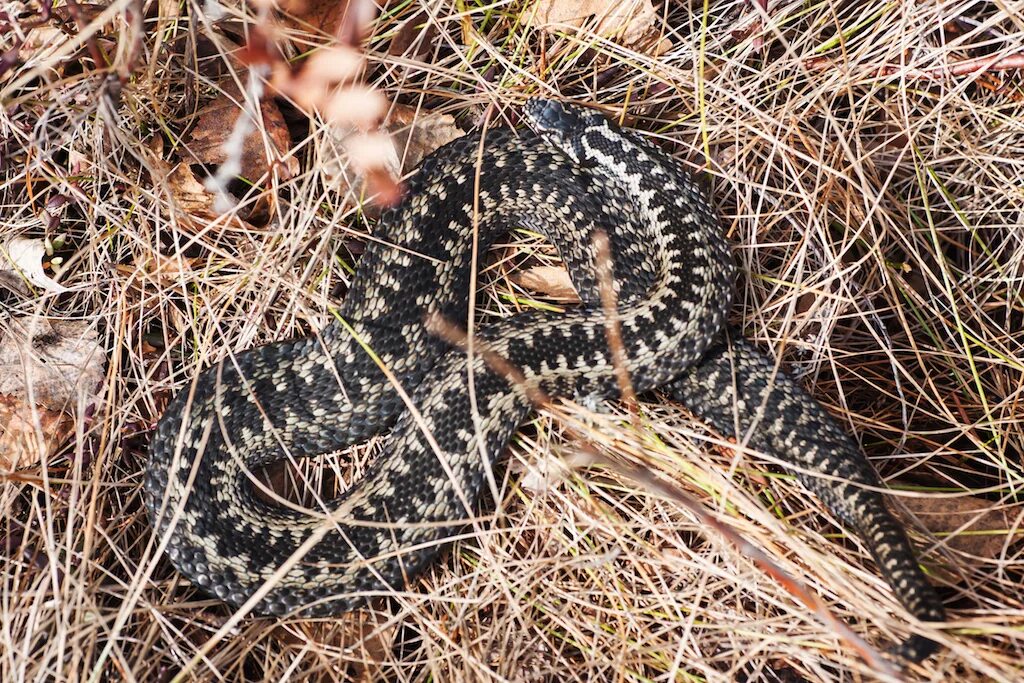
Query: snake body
<point x="455" y="409"/>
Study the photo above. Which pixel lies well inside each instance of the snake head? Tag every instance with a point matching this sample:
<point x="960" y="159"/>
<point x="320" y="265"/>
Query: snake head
<point x="568" y="127"/>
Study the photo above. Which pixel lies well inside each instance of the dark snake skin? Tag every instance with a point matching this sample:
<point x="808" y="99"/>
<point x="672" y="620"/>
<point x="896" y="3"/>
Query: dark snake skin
<point x="298" y="398"/>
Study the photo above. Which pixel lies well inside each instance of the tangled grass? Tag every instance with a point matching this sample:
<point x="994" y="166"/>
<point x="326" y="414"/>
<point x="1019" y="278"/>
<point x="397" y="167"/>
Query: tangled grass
<point x="868" y="162"/>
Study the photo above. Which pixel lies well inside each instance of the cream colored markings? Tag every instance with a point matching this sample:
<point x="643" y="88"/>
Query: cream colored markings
<point x="368" y="500"/>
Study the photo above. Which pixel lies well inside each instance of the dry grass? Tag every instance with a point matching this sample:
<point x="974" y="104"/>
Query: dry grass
<point x="874" y="204"/>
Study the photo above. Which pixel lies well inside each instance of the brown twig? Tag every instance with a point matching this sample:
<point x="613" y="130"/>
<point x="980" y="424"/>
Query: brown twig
<point x="613" y="327"/>
<point x="646" y="478"/>
<point x="456" y="336"/>
<point x="959" y="68"/>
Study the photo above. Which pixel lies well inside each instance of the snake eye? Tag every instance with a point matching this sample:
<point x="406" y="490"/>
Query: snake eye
<point x="550" y="117"/>
<point x="565" y="126"/>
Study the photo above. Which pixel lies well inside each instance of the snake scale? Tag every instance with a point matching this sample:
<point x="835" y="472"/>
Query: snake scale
<point x="576" y="175"/>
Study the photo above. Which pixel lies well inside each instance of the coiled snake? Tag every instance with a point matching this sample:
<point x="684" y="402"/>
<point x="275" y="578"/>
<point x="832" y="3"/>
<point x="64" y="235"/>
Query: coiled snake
<point x="674" y="273"/>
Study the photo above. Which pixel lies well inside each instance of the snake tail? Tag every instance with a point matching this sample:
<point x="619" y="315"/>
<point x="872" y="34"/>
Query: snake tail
<point x="758" y="405"/>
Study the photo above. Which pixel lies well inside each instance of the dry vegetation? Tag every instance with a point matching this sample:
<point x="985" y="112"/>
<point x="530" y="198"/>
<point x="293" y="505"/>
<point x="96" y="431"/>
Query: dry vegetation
<point x="868" y="161"/>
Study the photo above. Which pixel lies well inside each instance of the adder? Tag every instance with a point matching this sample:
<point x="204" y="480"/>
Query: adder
<point x="574" y="175"/>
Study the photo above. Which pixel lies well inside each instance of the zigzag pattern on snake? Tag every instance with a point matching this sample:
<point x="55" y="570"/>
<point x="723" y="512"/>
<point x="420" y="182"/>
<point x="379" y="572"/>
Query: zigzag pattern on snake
<point x="673" y="272"/>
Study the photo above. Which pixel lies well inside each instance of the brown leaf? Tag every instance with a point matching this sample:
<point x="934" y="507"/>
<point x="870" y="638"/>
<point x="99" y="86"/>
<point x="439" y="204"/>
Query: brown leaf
<point x="633" y="23"/>
<point x="968" y="525"/>
<point x="47" y="372"/>
<point x="216" y="123"/>
<point x="311" y="85"/>
<point x="414" y="37"/>
<point x="418" y="132"/>
<point x="355" y="106"/>
<point x="190" y="194"/>
<point x="353" y="158"/>
<point x="805" y="303"/>
<point x="345" y="19"/>
<point x="192" y="197"/>
<point x="21" y="445"/>
<point x="549" y="280"/>
<point x="165" y="269"/>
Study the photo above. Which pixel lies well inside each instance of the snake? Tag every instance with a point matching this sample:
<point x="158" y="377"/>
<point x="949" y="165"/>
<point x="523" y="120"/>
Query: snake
<point x="450" y="408"/>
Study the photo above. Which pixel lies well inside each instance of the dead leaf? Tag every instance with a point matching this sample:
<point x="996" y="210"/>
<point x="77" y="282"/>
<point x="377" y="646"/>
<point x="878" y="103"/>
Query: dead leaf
<point x="414" y="37"/>
<point x="345" y="19"/>
<point x="632" y="23"/>
<point x="551" y="281"/>
<point x="21" y="260"/>
<point x="20" y="444"/>
<point x="216" y="123"/>
<point x="48" y="372"/>
<point x="418" y="132"/>
<point x="191" y="196"/>
<point x="805" y="303"/>
<point x="352" y="157"/>
<point x="317" y="79"/>
<point x="80" y="164"/>
<point x="355" y="106"/>
<point x="189" y="193"/>
<point x="165" y="269"/>
<point x="973" y="526"/>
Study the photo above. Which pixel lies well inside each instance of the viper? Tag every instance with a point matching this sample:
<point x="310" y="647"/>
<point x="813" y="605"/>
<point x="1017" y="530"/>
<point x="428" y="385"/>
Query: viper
<point x="572" y="175"/>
